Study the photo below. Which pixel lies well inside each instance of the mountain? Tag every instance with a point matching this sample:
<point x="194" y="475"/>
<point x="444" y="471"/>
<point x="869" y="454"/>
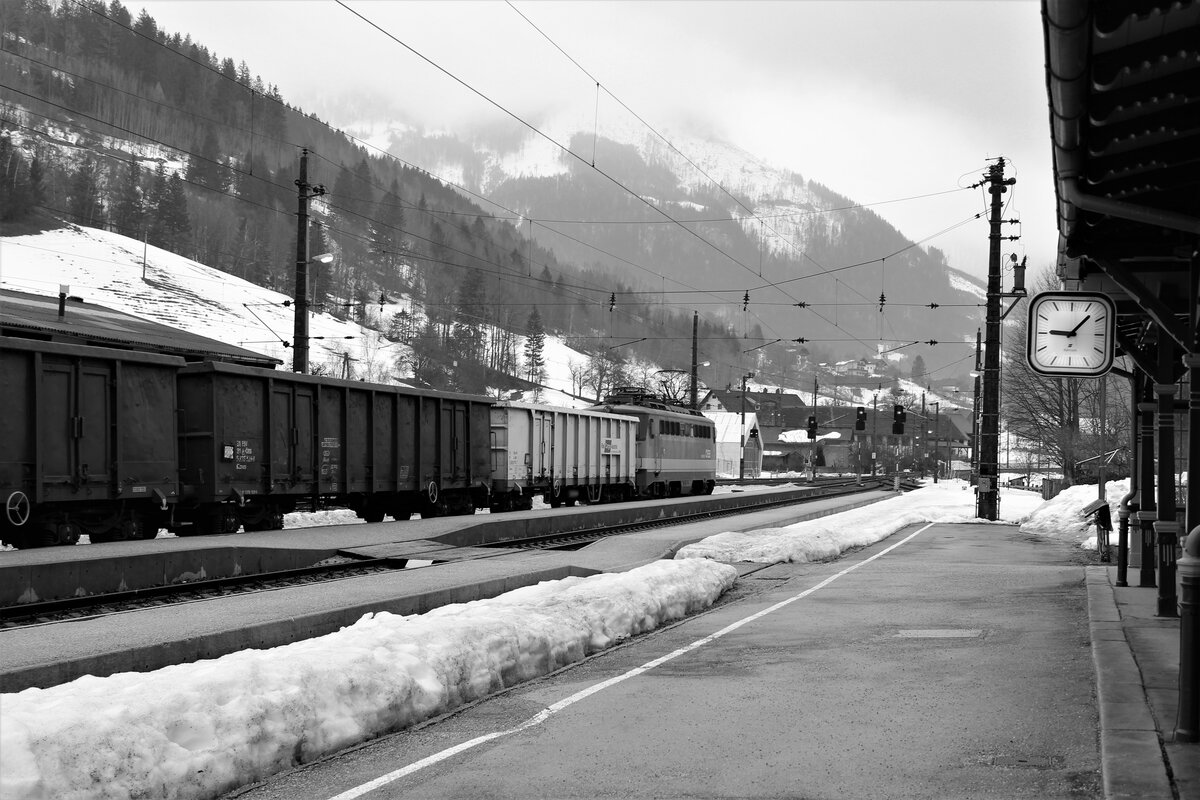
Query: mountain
<point x="615" y="240"/>
<point x="675" y="213"/>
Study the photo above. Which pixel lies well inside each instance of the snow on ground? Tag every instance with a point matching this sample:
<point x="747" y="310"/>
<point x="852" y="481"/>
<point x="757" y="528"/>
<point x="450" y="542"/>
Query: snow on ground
<point x="197" y="730"/>
<point x="1060" y="517"/>
<point x="827" y="537"/>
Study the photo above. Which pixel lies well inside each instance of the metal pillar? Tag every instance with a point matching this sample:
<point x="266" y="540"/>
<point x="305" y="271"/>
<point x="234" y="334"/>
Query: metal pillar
<point x="1166" y="527"/>
<point x="874" y="423"/>
<point x="1129" y="503"/>
<point x="937" y="418"/>
<point x="742" y="468"/>
<point x="1147" y="512"/>
<point x="1187" y="728"/>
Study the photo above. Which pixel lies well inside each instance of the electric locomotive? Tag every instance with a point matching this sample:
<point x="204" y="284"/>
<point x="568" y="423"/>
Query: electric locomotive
<point x="676" y="446"/>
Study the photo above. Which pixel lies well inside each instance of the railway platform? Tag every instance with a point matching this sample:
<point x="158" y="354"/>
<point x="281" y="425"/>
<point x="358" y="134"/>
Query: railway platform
<point x="151" y="638"/>
<point x="1136" y="654"/>
<point x="971" y="661"/>
<point x="948" y="661"/>
<point x="54" y="573"/>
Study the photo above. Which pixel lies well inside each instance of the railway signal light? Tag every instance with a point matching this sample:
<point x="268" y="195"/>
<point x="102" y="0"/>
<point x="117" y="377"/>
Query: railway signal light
<point x="812" y="426"/>
<point x="898" y="418"/>
<point x="860" y="424"/>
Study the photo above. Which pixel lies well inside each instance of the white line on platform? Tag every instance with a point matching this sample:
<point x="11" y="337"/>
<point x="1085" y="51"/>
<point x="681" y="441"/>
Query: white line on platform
<point x="546" y="713"/>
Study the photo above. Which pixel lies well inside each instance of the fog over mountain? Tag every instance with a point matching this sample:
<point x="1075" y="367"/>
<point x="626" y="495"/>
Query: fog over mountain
<point x="702" y="223"/>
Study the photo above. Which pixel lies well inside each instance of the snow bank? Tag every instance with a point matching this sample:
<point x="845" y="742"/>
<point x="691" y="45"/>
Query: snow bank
<point x="197" y="730"/>
<point x="1060" y="517"/>
<point x="827" y="537"/>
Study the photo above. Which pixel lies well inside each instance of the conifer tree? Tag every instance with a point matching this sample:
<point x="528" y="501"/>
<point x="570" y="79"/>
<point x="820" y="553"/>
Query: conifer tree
<point x="205" y="167"/>
<point x="10" y="162"/>
<point x="469" y="318"/>
<point x="171" y="227"/>
<point x="36" y="188"/>
<point x="918" y="370"/>
<point x="83" y="195"/>
<point x="128" y="211"/>
<point x="535" y="343"/>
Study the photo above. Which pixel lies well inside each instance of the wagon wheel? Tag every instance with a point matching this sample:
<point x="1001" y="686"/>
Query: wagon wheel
<point x="17" y="508"/>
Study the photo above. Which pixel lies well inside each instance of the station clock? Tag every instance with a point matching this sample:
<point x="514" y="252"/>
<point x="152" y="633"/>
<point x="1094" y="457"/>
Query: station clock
<point x="1071" y="334"/>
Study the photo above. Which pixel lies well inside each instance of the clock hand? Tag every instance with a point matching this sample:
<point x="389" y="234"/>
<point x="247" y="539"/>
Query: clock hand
<point x="1062" y="333"/>
<point x="1080" y="325"/>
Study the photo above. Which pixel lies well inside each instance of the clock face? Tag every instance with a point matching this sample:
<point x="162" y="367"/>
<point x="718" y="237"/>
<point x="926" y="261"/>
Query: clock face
<point x="1071" y="334"/>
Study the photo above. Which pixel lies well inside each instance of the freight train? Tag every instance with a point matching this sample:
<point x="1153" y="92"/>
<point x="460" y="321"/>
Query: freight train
<point x="118" y="444"/>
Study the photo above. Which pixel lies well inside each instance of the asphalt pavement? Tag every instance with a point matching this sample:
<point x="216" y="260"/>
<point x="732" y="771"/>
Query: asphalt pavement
<point x="949" y="661"/>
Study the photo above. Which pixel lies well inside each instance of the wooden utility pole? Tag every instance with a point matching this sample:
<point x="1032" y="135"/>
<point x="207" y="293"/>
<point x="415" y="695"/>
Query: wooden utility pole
<point x="300" y="299"/>
<point x="989" y="439"/>
<point x="695" y="329"/>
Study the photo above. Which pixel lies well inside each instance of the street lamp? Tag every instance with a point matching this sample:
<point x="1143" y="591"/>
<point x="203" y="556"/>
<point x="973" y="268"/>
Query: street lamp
<point x="300" y="330"/>
<point x="742" y="469"/>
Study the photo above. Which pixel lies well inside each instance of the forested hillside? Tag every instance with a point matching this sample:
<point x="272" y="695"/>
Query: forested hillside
<point x="108" y="121"/>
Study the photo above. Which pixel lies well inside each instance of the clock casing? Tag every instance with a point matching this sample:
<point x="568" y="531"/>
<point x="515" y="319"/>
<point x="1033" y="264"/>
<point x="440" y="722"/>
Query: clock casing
<point x="1071" y="334"/>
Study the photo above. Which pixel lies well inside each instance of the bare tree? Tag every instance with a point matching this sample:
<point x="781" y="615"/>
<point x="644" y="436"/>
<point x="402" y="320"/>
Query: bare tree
<point x="374" y="364"/>
<point x="1059" y="416"/>
<point x="578" y="371"/>
<point x="603" y="372"/>
<point x="674" y="385"/>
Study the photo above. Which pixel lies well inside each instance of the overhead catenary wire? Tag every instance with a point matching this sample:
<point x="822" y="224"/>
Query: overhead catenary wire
<point x="565" y="149"/>
<point x="333" y="228"/>
<point x="737" y="200"/>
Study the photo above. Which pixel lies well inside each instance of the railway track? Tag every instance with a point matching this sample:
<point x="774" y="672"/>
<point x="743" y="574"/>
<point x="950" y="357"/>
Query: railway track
<point x="72" y="608"/>
<point x="580" y="538"/>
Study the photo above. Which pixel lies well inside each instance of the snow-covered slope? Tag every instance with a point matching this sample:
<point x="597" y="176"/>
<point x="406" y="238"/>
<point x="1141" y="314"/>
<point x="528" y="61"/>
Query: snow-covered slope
<point x="107" y="269"/>
<point x="965" y="283"/>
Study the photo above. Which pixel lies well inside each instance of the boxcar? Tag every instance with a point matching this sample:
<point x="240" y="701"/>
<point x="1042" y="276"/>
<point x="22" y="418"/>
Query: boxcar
<point x="256" y="444"/>
<point x="676" y="446"/>
<point x="563" y="455"/>
<point x="88" y="442"/>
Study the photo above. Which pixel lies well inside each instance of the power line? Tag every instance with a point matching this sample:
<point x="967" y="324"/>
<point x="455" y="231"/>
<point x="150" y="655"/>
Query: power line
<point x="539" y="132"/>
<point x="669" y="219"/>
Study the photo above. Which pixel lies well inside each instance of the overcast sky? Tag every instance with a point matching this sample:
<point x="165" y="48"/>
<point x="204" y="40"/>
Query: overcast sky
<point x="876" y="100"/>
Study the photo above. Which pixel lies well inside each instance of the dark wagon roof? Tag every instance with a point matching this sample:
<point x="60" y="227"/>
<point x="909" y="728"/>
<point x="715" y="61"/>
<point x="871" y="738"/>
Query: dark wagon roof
<point x="30" y="316"/>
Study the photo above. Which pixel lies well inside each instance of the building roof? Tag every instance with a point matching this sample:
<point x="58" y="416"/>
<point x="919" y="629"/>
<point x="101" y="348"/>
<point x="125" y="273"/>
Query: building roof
<point x="30" y="316"/>
<point x="1123" y="83"/>
<point x="729" y="424"/>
